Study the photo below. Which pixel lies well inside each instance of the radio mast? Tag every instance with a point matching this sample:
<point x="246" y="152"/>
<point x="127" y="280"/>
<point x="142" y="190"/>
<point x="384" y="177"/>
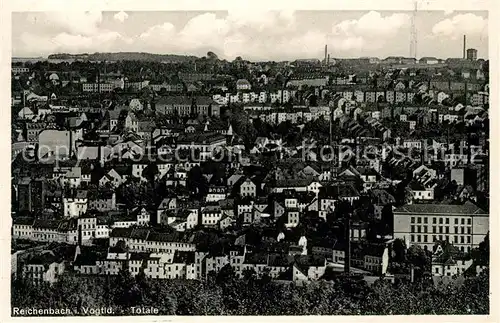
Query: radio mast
<point x="413" y="33"/>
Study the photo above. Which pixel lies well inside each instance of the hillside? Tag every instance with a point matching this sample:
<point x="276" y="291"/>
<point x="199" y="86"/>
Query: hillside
<point x="123" y="56"/>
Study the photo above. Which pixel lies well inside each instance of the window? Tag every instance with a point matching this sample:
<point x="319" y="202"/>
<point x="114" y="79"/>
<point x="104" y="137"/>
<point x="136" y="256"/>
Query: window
<point x="456" y="230"/>
<point x="412" y="238"/>
<point x="469" y="221"/>
<point x="447" y="220"/>
<point x="418" y="238"/>
<point x="447" y="229"/>
<point x="461" y="239"/>
<point x="425" y="239"/>
<point x="440" y="229"/>
<point x="462" y="230"/>
<point x="433" y="220"/>
<point x="469" y="229"/>
<point x="425" y="220"/>
<point x="463" y="221"/>
<point x="440" y="220"/>
<point x="455" y="239"/>
<point x="412" y="228"/>
<point x="419" y="220"/>
<point x="468" y="239"/>
<point x="425" y="229"/>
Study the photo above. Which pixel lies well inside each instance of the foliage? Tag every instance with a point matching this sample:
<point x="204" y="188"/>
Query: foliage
<point x="225" y="294"/>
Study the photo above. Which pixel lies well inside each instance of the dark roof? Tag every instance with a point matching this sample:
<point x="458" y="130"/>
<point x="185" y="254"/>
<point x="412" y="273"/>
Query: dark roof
<point x="280" y="260"/>
<point x="467" y="208"/>
<point x="23" y="221"/>
<point x="338" y="191"/>
<point x="174" y="100"/>
<point x="165" y="237"/>
<point x="87" y="257"/>
<point x="416" y="186"/>
<point x="139" y="255"/>
<point x="186" y="257"/>
<point x="120" y="233"/>
<point x="46" y="224"/>
<point x="256" y="258"/>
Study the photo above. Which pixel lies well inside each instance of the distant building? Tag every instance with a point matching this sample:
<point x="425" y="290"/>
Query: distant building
<point x="428" y="60"/>
<point x="472" y="54"/>
<point x="243" y="84"/>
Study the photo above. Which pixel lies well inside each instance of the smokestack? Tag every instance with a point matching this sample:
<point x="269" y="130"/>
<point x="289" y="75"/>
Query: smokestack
<point x="326" y="52"/>
<point x="99" y="83"/>
<point x="79" y="235"/>
<point x="465" y="44"/>
<point x="328" y="60"/>
<point x="347" y="258"/>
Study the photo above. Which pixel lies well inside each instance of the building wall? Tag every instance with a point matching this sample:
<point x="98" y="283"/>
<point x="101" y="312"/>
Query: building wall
<point x="464" y="231"/>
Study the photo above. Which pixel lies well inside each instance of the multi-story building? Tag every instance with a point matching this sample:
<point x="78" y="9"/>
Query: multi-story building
<point x="98" y="87"/>
<point x="463" y="225"/>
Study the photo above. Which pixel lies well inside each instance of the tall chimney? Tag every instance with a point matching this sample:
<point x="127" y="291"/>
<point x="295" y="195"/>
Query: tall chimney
<point x="465" y="44"/>
<point x="79" y="235"/>
<point x="347" y="251"/>
<point x="326" y="52"/>
<point x="328" y="60"/>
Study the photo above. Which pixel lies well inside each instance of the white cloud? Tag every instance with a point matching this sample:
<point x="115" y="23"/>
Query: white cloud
<point x="354" y="43"/>
<point x="372" y="23"/>
<point x="158" y="32"/>
<point x="370" y="31"/>
<point x="72" y="22"/>
<point x="247" y="32"/>
<point x="74" y="44"/>
<point x="241" y="33"/>
<point x="250" y="33"/>
<point x="204" y="29"/>
<point x="121" y="16"/>
<point x="462" y="24"/>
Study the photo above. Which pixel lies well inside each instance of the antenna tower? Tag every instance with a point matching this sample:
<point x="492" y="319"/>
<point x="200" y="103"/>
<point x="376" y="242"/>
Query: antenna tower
<point x="413" y="33"/>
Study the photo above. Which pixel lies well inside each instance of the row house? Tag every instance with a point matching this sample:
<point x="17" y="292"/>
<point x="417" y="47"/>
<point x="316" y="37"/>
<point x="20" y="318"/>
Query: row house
<point x="480" y="98"/>
<point x="180" y="219"/>
<point x="167" y="87"/>
<point x="139" y="239"/>
<point x="180" y="265"/>
<point x="184" y="106"/>
<point x="205" y="144"/>
<point x="99" y="87"/>
<point x="298" y="185"/>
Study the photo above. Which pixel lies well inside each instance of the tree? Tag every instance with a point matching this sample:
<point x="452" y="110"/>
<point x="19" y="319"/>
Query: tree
<point x="196" y="182"/>
<point x="127" y="293"/>
<point x="212" y="56"/>
<point x="399" y="251"/>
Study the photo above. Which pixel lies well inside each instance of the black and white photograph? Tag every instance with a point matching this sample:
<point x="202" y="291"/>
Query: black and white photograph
<point x="249" y="162"/>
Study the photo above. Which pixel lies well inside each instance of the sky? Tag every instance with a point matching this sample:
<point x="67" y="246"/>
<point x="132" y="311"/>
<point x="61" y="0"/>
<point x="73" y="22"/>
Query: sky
<point x="251" y="34"/>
